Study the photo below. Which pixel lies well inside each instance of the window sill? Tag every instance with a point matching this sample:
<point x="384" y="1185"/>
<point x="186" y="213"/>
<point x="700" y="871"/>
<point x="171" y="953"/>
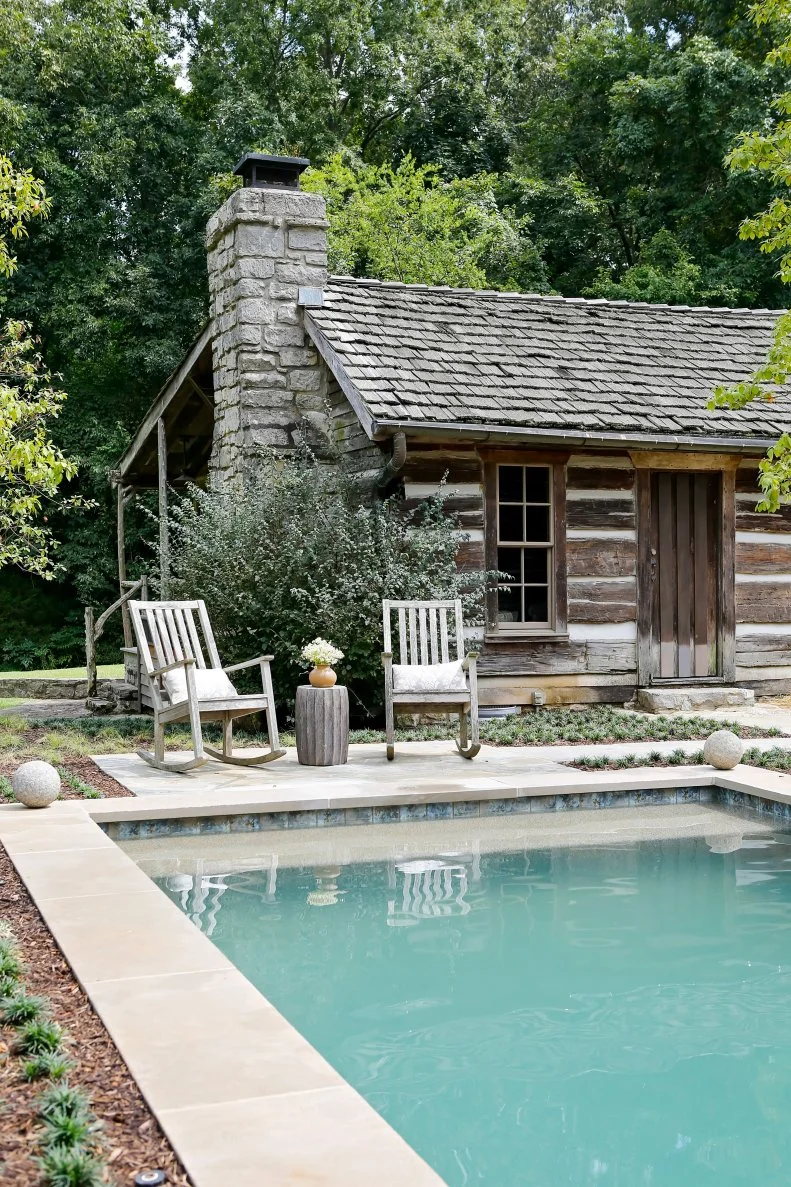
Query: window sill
<point x="521" y="636"/>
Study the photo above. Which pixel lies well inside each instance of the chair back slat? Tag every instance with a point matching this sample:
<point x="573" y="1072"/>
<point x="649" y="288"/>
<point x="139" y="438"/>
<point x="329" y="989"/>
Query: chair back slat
<point x="423" y="634"/>
<point x="188" y="618"/>
<point x="443" y="633"/>
<point x="168" y="652"/>
<point x="176" y="645"/>
<point x="181" y="619"/>
<point x="432" y="626"/>
<point x="426" y="630"/>
<point x="386" y="626"/>
<point x="158" y="659"/>
<point x="459" y="629"/>
<point x="208" y="635"/>
<point x="413" y="655"/>
<point x="403" y="654"/>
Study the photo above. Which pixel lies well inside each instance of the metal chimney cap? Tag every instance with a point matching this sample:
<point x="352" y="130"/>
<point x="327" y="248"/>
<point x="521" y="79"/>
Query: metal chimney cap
<point x="262" y="171"/>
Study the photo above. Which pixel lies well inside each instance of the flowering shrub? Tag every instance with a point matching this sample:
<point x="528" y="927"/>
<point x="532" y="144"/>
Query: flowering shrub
<point x="304" y="551"/>
<point x="320" y="652"/>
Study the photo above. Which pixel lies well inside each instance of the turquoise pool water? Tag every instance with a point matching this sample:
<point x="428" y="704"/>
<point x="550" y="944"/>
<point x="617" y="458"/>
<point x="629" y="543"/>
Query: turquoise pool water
<point x="616" y="1017"/>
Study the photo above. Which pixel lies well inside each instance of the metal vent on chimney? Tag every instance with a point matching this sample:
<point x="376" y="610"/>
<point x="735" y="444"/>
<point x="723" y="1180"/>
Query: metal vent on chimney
<point x="262" y="171"/>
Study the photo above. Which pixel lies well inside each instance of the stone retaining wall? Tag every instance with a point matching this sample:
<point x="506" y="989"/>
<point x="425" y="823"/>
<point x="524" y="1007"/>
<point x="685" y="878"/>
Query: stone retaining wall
<point x="52" y="690"/>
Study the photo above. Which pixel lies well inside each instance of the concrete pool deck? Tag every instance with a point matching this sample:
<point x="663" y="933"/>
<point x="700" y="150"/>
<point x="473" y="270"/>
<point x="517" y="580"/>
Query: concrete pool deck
<point x="429" y="767"/>
<point x="242" y="1096"/>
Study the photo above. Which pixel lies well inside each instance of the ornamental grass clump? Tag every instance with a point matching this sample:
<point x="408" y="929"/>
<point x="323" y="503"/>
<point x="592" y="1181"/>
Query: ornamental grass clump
<point x="10" y="964"/>
<point x="72" y="1168"/>
<point x="49" y="1066"/>
<point x="40" y="1037"/>
<point x="23" y="1007"/>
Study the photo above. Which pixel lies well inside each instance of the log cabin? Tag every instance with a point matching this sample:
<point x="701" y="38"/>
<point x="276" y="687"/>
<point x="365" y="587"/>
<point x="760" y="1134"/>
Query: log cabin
<point x="573" y="433"/>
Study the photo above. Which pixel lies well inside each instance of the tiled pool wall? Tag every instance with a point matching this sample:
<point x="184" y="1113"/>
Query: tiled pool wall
<point x="251" y="822"/>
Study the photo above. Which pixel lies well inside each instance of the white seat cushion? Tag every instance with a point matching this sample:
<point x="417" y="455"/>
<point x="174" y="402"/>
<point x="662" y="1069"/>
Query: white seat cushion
<point x="429" y="677"/>
<point x="211" y="684"/>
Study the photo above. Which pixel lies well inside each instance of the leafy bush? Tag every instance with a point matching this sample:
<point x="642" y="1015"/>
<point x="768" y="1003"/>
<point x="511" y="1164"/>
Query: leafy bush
<point x="306" y="552"/>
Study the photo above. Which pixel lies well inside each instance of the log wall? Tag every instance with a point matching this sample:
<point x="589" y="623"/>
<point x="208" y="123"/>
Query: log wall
<point x="349" y="436"/>
<point x="596" y="660"/>
<point x="763" y="591"/>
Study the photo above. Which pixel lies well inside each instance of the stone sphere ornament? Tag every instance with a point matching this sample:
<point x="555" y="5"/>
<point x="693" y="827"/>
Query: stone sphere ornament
<point x="723" y="750"/>
<point x="36" y="784"/>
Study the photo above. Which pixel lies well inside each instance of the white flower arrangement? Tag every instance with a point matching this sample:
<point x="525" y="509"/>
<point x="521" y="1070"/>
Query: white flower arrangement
<point x="321" y="652"/>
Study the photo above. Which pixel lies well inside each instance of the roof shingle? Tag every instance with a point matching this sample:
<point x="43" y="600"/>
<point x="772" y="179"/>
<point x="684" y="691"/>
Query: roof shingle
<point x="504" y="359"/>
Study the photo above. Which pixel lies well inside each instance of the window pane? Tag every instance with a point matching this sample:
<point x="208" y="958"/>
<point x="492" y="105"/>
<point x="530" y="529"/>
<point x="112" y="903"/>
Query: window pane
<point x="509" y="604"/>
<point x="536" y="524"/>
<point x="511" y="484"/>
<point x="536" y="484"/>
<point x="536" y="603"/>
<point x="509" y="560"/>
<point x="535" y="565"/>
<point x="511" y="523"/>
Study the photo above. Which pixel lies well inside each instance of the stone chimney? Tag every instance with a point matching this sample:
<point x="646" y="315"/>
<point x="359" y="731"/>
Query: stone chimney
<point x="265" y="244"/>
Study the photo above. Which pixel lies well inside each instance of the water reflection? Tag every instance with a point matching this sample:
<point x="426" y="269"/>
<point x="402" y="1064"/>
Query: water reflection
<point x="609" y="1016"/>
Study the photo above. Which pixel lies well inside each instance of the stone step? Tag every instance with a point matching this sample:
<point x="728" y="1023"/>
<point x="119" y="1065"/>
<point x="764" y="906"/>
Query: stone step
<point x="693" y="697"/>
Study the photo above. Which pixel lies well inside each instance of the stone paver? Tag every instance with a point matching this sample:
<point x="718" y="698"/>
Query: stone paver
<point x="417" y="766"/>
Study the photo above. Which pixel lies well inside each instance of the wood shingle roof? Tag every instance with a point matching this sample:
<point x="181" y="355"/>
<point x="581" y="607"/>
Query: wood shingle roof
<point x="440" y="356"/>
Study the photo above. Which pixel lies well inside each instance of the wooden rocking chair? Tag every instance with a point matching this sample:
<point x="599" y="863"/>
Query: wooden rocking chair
<point x="426" y="679"/>
<point x="185" y="688"/>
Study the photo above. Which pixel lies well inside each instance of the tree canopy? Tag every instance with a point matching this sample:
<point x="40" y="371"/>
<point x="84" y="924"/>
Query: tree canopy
<point x="573" y="147"/>
<point x="32" y="467"/>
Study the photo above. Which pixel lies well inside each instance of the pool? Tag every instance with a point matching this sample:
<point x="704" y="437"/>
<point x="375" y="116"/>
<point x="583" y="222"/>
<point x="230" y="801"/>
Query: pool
<point x="555" y="1014"/>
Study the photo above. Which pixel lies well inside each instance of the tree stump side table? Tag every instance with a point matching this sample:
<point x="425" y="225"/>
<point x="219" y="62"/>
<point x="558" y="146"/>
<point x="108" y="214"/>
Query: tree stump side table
<point x="322" y="726"/>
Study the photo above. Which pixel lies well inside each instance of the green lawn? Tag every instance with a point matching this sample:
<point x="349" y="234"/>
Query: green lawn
<point x="104" y="672"/>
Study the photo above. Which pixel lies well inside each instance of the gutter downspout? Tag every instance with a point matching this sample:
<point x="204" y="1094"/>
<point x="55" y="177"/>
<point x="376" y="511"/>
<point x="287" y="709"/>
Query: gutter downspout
<point x="395" y="463"/>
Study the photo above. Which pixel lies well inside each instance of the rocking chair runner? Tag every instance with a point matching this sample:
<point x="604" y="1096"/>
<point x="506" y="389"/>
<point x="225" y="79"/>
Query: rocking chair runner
<point x="185" y="688"/>
<point x="426" y="678"/>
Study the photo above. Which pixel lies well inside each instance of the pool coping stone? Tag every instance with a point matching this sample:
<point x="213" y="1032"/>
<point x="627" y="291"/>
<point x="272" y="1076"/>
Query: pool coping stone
<point x="160" y="986"/>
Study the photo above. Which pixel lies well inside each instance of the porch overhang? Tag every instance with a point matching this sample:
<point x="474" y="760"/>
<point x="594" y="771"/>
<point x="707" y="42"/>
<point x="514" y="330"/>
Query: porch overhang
<point x="185" y="408"/>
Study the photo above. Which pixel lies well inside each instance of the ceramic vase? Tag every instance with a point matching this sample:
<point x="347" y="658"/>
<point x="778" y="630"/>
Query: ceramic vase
<point x="322" y="676"/>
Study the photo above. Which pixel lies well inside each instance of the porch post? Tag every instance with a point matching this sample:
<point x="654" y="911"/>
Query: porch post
<point x="164" y="545"/>
<point x="121" y="501"/>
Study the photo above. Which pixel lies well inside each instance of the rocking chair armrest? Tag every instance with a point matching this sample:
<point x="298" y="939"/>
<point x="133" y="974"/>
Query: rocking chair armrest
<point x="469" y="660"/>
<point x="387" y="659"/>
<point x="179" y="663"/>
<point x="249" y="663"/>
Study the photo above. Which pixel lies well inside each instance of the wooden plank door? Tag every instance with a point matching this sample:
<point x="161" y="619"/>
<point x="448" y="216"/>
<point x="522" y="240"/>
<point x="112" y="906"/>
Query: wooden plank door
<point x="685" y="564"/>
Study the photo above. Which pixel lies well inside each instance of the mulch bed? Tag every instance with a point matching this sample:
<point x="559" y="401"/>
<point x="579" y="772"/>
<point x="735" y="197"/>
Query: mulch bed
<point x="133" y="1139"/>
<point x="85" y="769"/>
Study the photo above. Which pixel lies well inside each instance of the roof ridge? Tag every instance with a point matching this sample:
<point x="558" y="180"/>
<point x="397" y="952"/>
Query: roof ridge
<point x="549" y="298"/>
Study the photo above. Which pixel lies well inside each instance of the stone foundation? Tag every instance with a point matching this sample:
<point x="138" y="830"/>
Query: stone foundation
<point x="693" y="699"/>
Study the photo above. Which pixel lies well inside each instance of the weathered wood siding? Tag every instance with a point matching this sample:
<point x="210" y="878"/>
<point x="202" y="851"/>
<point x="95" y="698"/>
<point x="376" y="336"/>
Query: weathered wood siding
<point x="597" y="660"/>
<point x="349" y="436"/>
<point x="763" y="590"/>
